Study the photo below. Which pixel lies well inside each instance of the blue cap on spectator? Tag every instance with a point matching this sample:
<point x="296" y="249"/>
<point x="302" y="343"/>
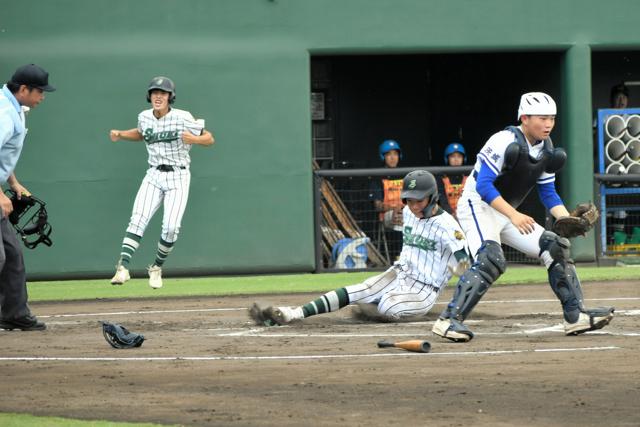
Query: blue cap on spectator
<point x="387" y="146"/>
<point x="454" y="147"/>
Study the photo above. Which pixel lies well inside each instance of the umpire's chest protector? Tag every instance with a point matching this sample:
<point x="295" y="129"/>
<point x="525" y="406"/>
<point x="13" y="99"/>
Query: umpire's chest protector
<point x="520" y="172"/>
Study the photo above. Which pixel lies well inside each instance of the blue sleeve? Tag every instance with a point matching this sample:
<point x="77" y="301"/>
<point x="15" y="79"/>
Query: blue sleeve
<point x="484" y="183"/>
<point x="549" y="195"/>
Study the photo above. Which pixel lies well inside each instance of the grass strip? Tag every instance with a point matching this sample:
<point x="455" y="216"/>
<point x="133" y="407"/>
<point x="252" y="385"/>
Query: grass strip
<point x="270" y="284"/>
<point x="24" y="420"/>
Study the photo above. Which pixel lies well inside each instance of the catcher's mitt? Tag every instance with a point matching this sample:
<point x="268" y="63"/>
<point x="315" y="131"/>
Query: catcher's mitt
<point x="120" y="337"/>
<point x="581" y="220"/>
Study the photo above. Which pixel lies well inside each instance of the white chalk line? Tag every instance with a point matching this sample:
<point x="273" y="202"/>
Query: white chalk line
<point x="292" y="357"/>
<point x="208" y="310"/>
<point x="345" y="335"/>
<point x="259" y="331"/>
<point x="122" y="313"/>
<point x="559" y="313"/>
<point x="553" y="329"/>
<point x="525" y="301"/>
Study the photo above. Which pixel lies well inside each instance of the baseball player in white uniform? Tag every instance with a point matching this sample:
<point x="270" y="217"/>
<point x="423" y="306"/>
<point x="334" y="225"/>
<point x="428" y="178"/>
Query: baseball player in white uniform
<point x="509" y="165"/>
<point x="169" y="134"/>
<point x="434" y="248"/>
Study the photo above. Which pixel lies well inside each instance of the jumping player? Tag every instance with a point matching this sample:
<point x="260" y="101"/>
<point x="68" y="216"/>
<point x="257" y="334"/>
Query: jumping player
<point x="434" y="248"/>
<point x="169" y="134"/>
<point x="510" y="164"/>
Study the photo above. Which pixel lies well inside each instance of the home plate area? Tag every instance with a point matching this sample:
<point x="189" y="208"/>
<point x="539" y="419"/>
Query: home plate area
<point x="203" y="362"/>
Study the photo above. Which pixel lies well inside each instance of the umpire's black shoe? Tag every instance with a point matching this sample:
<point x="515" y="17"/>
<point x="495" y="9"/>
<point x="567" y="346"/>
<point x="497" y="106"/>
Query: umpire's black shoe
<point x="28" y="323"/>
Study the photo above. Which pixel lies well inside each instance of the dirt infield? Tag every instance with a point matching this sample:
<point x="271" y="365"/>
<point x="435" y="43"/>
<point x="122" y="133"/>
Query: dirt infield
<point x="204" y="363"/>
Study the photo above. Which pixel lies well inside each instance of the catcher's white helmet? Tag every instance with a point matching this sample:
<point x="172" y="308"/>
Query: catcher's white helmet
<point x="537" y="104"/>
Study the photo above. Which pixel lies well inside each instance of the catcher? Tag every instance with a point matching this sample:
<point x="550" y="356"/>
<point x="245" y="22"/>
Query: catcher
<point x="509" y="166"/>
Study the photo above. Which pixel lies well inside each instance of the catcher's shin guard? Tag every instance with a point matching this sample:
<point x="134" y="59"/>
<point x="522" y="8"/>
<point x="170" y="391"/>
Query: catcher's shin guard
<point x="487" y="267"/>
<point x="566" y="285"/>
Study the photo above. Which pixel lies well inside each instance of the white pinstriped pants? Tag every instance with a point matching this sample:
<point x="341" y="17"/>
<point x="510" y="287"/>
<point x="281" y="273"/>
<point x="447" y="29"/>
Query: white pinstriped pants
<point x="169" y="188"/>
<point x="395" y="297"/>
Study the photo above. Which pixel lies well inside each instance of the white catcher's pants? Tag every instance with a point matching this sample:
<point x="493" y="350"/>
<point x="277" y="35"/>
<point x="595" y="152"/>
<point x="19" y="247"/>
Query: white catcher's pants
<point x="169" y="188"/>
<point x="480" y="222"/>
<point x="395" y="297"/>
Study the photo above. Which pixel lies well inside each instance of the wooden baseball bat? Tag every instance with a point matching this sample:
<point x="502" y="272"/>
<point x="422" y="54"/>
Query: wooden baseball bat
<point x="418" y="346"/>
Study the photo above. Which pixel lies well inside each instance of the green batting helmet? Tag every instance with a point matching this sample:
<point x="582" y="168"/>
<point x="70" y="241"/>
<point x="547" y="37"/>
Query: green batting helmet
<point x="164" y="84"/>
<point x="419" y="185"/>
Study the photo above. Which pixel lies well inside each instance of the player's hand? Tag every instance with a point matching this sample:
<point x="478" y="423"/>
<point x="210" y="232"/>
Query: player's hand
<point x="114" y="135"/>
<point x="188" y="137"/>
<point x="524" y="223"/>
<point x="19" y="189"/>
<point x="6" y="207"/>
<point x="397" y="218"/>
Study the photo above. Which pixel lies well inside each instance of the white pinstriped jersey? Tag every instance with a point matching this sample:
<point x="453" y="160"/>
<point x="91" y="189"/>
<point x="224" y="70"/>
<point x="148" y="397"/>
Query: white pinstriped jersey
<point x="163" y="136"/>
<point x="428" y="247"/>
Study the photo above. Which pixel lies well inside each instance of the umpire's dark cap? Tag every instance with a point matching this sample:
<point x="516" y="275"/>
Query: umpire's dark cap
<point x="33" y="76"/>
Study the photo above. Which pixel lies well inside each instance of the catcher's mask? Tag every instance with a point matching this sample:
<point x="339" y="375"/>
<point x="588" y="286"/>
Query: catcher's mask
<point x="120" y="337"/>
<point x="29" y="218"/>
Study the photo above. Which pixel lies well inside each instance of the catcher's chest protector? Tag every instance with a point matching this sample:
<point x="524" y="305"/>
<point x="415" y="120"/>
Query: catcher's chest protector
<point x="520" y="172"/>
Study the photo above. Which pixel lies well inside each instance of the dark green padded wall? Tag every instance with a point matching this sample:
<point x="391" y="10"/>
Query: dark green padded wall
<point x="244" y="67"/>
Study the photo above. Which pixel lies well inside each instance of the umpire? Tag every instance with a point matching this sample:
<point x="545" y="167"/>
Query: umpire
<point x="25" y="90"/>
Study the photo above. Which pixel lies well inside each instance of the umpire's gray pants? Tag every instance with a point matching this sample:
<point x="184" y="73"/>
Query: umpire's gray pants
<point x="13" y="284"/>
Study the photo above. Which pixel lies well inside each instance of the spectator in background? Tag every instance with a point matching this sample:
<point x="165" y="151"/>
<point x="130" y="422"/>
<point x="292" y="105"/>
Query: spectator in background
<point x="619" y="97"/>
<point x="385" y="195"/>
<point x="451" y="186"/>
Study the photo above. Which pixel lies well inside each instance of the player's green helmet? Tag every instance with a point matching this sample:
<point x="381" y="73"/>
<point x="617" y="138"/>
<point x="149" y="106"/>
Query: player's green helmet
<point x="419" y="185"/>
<point x="164" y="84"/>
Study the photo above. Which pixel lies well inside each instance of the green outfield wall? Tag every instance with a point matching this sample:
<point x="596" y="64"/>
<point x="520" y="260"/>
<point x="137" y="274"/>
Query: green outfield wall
<point x="243" y="66"/>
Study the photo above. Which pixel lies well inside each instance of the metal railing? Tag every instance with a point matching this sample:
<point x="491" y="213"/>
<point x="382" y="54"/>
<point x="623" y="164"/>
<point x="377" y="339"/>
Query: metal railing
<point x="618" y="198"/>
<point x="352" y="186"/>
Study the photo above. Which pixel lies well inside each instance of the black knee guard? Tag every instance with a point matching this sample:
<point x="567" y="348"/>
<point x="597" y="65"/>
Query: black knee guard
<point x="487" y="267"/>
<point x="562" y="275"/>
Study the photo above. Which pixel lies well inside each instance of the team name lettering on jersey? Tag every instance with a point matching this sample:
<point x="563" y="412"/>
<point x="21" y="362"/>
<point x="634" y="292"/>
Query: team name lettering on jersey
<point x="417" y="241"/>
<point x="429" y="246"/>
<point x="489" y="152"/>
<point x="166" y="136"/>
<point x="163" y="136"/>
